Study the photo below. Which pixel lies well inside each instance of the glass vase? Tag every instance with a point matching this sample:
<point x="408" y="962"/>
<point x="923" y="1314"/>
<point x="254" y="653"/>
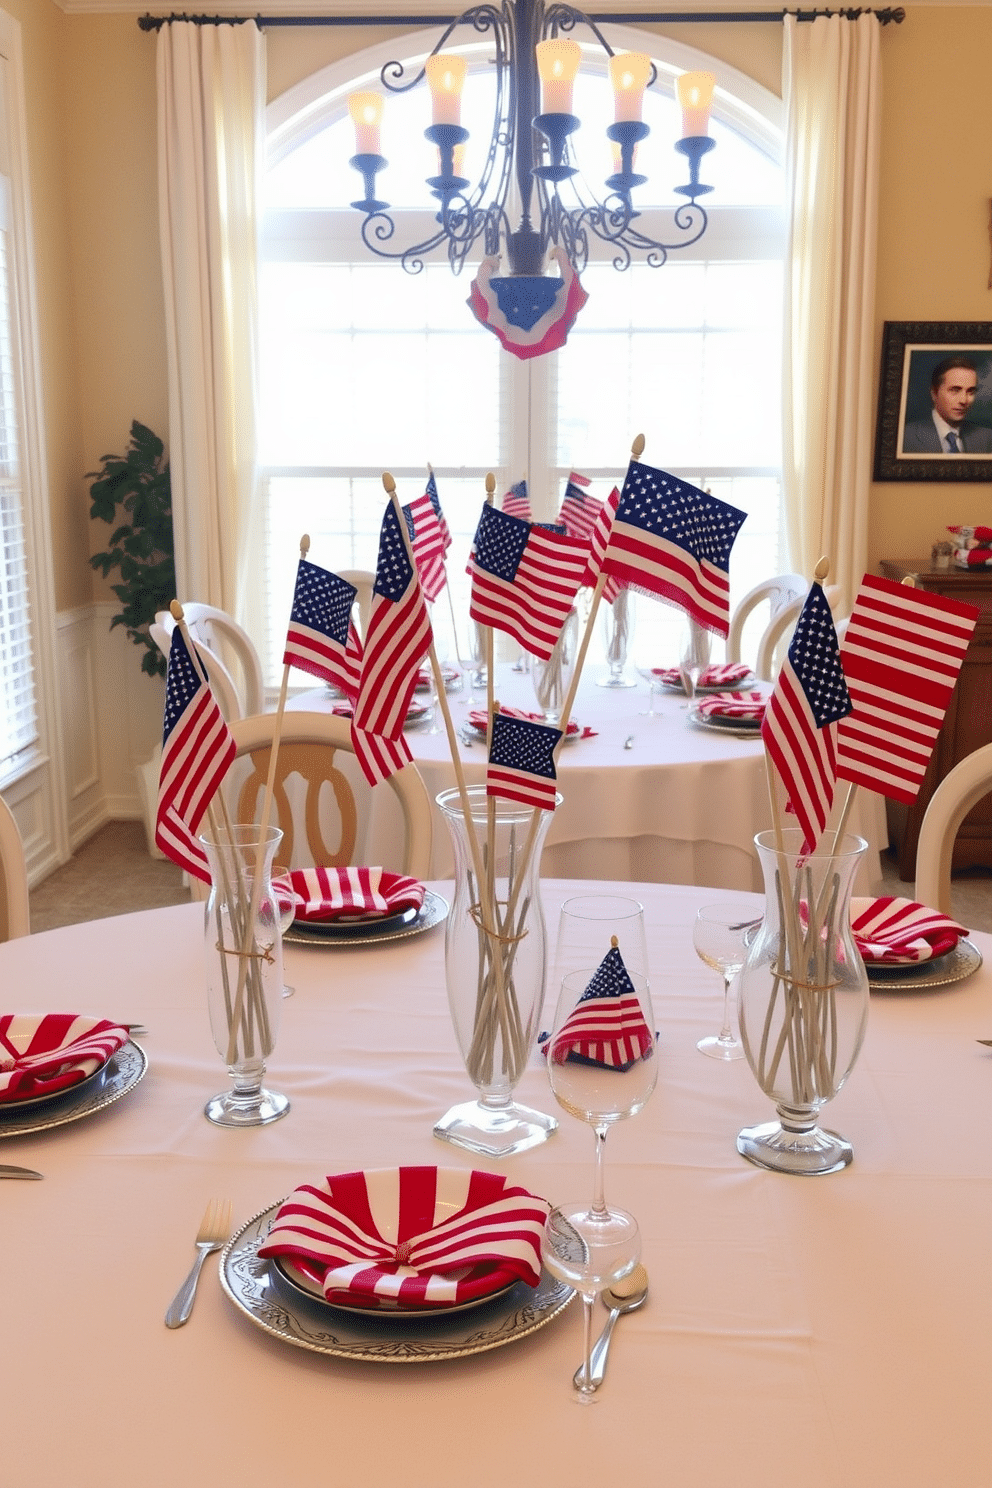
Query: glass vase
<point x="618" y="627"/>
<point x="803" y="1001"/>
<point x="244" y="970"/>
<point x="552" y="678"/>
<point x="495" y="956"/>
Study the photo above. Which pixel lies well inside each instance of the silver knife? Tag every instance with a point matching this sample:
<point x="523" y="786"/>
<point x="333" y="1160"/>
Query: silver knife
<point x="8" y="1171"/>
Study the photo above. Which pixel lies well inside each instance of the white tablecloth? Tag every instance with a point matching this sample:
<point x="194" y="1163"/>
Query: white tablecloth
<point x="835" y="1332"/>
<point x="681" y="805"/>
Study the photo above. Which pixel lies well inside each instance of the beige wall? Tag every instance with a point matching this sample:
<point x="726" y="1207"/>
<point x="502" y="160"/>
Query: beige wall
<point x="92" y="122"/>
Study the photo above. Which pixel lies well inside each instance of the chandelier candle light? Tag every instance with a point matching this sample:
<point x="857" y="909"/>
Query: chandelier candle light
<point x="527" y="154"/>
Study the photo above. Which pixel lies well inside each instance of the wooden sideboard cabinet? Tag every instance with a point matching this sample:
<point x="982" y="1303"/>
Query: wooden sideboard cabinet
<point x="967" y="726"/>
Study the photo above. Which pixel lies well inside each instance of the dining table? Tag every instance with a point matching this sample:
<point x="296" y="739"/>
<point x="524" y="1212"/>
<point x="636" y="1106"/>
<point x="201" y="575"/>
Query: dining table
<point x="649" y="793"/>
<point x="833" y="1331"/>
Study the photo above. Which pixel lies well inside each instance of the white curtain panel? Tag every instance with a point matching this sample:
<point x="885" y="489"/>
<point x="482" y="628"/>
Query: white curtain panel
<point x="831" y="90"/>
<point x="211" y="110"/>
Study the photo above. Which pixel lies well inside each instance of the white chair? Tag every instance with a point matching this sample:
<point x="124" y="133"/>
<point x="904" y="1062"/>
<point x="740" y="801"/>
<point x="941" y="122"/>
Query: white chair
<point x="230" y="658"/>
<point x="224" y="687"/>
<point x="15" y="913"/>
<point x="780" y="592"/>
<point x="363" y="582"/>
<point x="957" y="793"/>
<point x="326" y="812"/>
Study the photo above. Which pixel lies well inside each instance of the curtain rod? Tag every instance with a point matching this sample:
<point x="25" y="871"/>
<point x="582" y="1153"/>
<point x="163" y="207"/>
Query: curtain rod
<point x="713" y="17"/>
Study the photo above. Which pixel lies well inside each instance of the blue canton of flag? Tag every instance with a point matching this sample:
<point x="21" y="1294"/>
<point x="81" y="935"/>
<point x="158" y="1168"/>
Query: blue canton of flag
<point x="524" y="579"/>
<point x="197" y="749"/>
<point x="673" y="541"/>
<point x="435" y="502"/>
<point x="522" y="762"/>
<point x="607" y="1026"/>
<point x="799" y="727"/>
<point x="322" y="638"/>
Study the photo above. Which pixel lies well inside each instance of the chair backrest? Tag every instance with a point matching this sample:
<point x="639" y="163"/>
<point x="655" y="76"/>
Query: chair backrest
<point x="363" y="582"/>
<point x="326" y="810"/>
<point x="780" y="592"/>
<point x="224" y="687"/>
<point x="957" y="793"/>
<point x="15" y="914"/>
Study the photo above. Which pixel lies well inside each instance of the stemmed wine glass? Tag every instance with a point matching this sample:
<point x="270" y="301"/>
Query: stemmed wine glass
<point x="589" y="1261"/>
<point x="719" y="937"/>
<point x="602" y="1068"/>
<point x="285" y="902"/>
<point x="695" y="658"/>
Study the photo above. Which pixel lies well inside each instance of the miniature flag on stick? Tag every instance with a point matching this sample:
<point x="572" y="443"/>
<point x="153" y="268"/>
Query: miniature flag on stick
<point x="197" y="751"/>
<point x="322" y="638"/>
<point x="578" y="510"/>
<point x="606" y="1026"/>
<point x="524" y="579"/>
<point x="901" y="655"/>
<point x="799" y="728"/>
<point x="398" y="639"/>
<point x="516" y="502"/>
<point x="522" y="761"/>
<point x="435" y="502"/>
<point x="673" y="541"/>
<point x="427" y="542"/>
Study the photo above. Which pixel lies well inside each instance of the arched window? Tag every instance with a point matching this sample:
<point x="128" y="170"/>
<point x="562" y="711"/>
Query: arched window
<point x="368" y="368"/>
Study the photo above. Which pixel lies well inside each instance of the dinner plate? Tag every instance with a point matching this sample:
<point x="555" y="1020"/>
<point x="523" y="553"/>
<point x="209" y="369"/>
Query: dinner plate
<point x="917" y="976"/>
<point x="292" y="1274"/>
<point x="257" y="1289"/>
<point x="742" y="728"/>
<point x="42" y="1100"/>
<point x="740" y="685"/>
<point x="122" y="1072"/>
<point x="574" y="729"/>
<point x="369" y="932"/>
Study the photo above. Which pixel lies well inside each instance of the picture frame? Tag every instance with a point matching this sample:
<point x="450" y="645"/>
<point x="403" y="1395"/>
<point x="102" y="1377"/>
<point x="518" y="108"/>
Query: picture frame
<point x="907" y="441"/>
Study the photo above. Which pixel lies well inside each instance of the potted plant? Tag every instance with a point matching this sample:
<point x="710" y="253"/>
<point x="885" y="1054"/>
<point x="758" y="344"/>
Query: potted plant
<point x="134" y="490"/>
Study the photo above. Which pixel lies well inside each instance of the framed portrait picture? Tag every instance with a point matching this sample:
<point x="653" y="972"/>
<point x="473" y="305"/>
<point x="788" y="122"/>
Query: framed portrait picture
<point x="935" y="401"/>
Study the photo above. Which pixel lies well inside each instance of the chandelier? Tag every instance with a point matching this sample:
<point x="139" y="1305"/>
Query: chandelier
<point x="517" y="207"/>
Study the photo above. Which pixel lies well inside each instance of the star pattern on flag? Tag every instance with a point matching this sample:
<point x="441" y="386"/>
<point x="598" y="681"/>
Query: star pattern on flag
<point x="394" y="570"/>
<point x="667" y="507"/>
<point x="500" y="541"/>
<point x="181" y="684"/>
<point x="323" y="601"/>
<point x="816" y="661"/>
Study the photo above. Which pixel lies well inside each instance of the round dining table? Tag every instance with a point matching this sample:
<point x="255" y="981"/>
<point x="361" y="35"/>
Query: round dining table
<point x="648" y="793"/>
<point x="832" y="1331"/>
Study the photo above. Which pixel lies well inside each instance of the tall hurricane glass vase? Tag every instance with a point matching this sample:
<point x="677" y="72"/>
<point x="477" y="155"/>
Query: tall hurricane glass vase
<point x="803" y="1001"/>
<point x="244" y="970"/>
<point x="495" y="966"/>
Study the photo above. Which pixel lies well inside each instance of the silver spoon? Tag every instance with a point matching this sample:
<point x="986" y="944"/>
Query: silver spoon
<point x="630" y="1293"/>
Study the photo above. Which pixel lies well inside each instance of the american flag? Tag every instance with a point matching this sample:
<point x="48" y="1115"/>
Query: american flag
<point x="524" y="579"/>
<point x="427" y="540"/>
<point x="606" y="1026"/>
<point x="901" y="654"/>
<point x="579" y="510"/>
<point x="673" y="541"/>
<point x="599" y="541"/>
<point x="799" y="728"/>
<point x="516" y="502"/>
<point x="522" y="762"/>
<point x="430" y="1237"/>
<point x="435" y="502"/>
<point x="197" y="750"/>
<point x="322" y="638"/>
<point x="398" y="639"/>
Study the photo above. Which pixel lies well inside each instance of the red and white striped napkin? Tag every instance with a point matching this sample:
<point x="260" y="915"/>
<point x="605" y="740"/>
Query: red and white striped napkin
<point x="479" y="720"/>
<point x="891" y="931"/>
<point x="411" y="1238"/>
<point x="350" y="893"/>
<point x="733" y="705"/>
<point x="42" y="1054"/>
<point x="717" y="674"/>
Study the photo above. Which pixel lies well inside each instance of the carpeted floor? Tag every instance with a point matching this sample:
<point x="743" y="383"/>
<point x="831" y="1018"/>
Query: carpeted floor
<point x="113" y="874"/>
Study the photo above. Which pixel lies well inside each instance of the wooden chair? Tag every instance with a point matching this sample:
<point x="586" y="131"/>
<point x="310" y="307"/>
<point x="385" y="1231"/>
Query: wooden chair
<point x="363" y="582"/>
<point x="321" y="800"/>
<point x="957" y="793"/>
<point x="15" y="914"/>
<point x="780" y="592"/>
<point x="233" y="659"/>
<point x="224" y="687"/>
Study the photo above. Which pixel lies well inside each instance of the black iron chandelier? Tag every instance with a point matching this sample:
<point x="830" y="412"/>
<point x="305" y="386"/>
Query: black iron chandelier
<point x="528" y="161"/>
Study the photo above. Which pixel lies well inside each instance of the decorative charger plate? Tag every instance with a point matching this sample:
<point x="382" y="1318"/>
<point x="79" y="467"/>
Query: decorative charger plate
<point x="433" y="911"/>
<point x="917" y="976"/>
<point x="257" y="1289"/>
<point x="741" y="685"/>
<point x="308" y="1288"/>
<point x="741" y="728"/>
<point x="121" y="1074"/>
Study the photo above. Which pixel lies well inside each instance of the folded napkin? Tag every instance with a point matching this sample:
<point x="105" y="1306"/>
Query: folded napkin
<point x="891" y="931"/>
<point x="973" y="557"/>
<point x="43" y="1054"/>
<point x="425" y="678"/>
<point x="733" y="705"/>
<point x="411" y="1238"/>
<point x="349" y="893"/>
<point x="479" y="719"/>
<point x="718" y="674"/>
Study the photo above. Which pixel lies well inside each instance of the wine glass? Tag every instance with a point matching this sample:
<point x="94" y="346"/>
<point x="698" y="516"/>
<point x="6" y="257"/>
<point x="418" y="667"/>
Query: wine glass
<point x="285" y="901"/>
<point x="602" y="1065"/>
<point x="618" y="629"/>
<point x="650" y="676"/>
<point x="586" y="926"/>
<point x="588" y="1260"/>
<point x="695" y="658"/>
<point x="719" y="939"/>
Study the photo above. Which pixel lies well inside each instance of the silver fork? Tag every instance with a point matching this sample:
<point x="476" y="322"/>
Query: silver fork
<point x="215" y="1227"/>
